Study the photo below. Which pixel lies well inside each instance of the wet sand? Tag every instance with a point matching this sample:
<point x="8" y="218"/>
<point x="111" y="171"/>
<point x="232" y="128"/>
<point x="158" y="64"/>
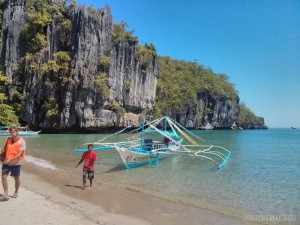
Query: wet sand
<point x="51" y="199"/>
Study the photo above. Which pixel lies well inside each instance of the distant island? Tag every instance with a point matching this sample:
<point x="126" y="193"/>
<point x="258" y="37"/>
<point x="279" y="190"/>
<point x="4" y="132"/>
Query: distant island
<point x="68" y="67"/>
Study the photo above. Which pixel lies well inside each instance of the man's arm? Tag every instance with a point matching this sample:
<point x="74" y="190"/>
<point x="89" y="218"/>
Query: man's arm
<point x="80" y="161"/>
<point x="12" y="159"/>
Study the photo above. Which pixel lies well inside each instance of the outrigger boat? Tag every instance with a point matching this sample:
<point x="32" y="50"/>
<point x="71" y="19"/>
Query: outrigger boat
<point x="23" y="131"/>
<point x="142" y="150"/>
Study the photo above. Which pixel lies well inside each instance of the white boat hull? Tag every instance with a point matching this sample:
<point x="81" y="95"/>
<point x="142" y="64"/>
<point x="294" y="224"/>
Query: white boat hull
<point x="134" y="156"/>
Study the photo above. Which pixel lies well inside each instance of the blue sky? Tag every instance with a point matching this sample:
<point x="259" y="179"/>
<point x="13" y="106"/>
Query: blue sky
<point x="255" y="42"/>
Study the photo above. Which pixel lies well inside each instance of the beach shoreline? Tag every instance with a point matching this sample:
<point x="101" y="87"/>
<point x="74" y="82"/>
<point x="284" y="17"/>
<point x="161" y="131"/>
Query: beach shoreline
<point x="40" y="202"/>
<point x="101" y="204"/>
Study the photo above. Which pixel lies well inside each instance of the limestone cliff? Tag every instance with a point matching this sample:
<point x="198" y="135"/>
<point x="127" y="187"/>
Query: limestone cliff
<point x="60" y="98"/>
<point x="209" y="112"/>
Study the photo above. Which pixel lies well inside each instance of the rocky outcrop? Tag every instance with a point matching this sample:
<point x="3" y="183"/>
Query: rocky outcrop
<point x="210" y="112"/>
<point x="258" y="124"/>
<point x="141" y="92"/>
<point x="11" y="43"/>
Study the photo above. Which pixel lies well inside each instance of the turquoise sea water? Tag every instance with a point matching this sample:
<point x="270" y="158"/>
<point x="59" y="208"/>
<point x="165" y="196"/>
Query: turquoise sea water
<point x="262" y="176"/>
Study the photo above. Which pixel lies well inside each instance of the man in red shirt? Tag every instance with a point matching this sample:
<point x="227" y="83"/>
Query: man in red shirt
<point x="88" y="157"/>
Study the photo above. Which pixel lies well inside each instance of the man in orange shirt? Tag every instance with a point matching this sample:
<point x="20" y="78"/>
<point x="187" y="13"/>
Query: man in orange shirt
<point x="89" y="157"/>
<point x="14" y="152"/>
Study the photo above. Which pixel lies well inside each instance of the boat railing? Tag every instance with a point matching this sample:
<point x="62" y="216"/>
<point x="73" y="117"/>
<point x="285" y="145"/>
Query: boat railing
<point x="134" y="145"/>
<point x="159" y="146"/>
<point x="173" y="143"/>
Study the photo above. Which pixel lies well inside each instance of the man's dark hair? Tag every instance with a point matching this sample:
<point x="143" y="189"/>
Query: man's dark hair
<point x="13" y="128"/>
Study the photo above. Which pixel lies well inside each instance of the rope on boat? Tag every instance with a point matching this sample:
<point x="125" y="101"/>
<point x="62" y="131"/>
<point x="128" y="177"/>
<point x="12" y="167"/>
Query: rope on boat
<point x="191" y="133"/>
<point x="184" y="134"/>
<point x="155" y="122"/>
<point x="207" y="151"/>
<point x="159" y="131"/>
<point x="109" y="135"/>
<point x="172" y="127"/>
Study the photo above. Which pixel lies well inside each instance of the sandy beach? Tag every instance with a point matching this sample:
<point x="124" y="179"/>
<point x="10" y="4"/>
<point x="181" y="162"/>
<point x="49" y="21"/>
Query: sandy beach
<point x="41" y="201"/>
<point x="33" y="208"/>
<point x="53" y="207"/>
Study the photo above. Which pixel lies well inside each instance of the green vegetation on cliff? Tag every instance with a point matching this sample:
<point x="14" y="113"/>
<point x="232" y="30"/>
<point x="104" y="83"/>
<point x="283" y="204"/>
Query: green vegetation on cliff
<point x="100" y="83"/>
<point x="58" y="68"/>
<point x="7" y="113"/>
<point x="39" y="16"/>
<point x="247" y="118"/>
<point x="120" y="34"/>
<point x="180" y="81"/>
<point x="145" y="54"/>
<point x="1" y="14"/>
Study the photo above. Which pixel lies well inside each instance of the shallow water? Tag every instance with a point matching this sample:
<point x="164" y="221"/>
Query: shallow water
<point x="262" y="175"/>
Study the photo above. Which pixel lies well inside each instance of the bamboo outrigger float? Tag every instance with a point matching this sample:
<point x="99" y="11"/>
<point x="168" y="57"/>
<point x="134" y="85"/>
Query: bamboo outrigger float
<point x="140" y="150"/>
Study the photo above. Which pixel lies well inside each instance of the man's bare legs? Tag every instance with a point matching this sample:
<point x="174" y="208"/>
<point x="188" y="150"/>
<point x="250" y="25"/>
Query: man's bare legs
<point x="5" y="187"/>
<point x="17" y="185"/>
<point x="84" y="183"/>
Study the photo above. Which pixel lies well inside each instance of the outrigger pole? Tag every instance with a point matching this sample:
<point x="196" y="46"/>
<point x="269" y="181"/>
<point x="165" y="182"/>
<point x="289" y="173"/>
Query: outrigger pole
<point x="200" y="153"/>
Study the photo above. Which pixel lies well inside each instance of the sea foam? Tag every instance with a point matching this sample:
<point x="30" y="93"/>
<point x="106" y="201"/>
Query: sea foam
<point x="40" y="162"/>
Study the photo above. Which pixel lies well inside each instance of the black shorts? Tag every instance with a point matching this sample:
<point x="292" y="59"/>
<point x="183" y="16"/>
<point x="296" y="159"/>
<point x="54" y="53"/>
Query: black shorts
<point x="14" y="170"/>
<point x="88" y="173"/>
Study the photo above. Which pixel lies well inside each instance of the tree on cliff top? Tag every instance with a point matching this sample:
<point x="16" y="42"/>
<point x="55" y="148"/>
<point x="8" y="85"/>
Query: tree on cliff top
<point x="247" y="117"/>
<point x="120" y="34"/>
